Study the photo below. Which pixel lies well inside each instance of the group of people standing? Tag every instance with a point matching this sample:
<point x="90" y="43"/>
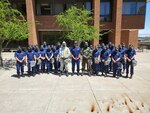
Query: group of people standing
<point x="101" y="58"/>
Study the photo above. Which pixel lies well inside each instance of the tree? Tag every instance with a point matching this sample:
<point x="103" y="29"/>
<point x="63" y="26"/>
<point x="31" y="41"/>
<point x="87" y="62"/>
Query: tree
<point x="77" y="23"/>
<point x="13" y="25"/>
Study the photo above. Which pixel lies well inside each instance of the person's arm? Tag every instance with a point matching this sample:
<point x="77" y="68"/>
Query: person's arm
<point x="72" y="55"/>
<point x="51" y="56"/>
<point x="23" y="59"/>
<point x="118" y="59"/>
<point x="128" y="59"/>
<point x="46" y="57"/>
<point x="60" y="53"/>
<point x="43" y="58"/>
<point x="133" y="55"/>
<point x="113" y="60"/>
<point x="26" y="59"/>
<point x="35" y="57"/>
<point x="18" y="59"/>
<point x="109" y="54"/>
<point x="57" y="57"/>
<point x="126" y="56"/>
<point x="99" y="56"/>
<point x="103" y="60"/>
<point x="39" y="57"/>
<point x="79" y="55"/>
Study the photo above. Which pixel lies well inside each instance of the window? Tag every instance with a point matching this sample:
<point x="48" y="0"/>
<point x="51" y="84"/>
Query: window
<point x="105" y="10"/>
<point x="19" y="4"/>
<point x="58" y="8"/>
<point x="141" y="6"/>
<point x="88" y="6"/>
<point x="133" y="7"/>
<point x="44" y="7"/>
<point x="55" y="7"/>
<point x="129" y="8"/>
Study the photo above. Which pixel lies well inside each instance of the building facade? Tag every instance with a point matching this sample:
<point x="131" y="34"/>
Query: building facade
<point x="123" y="17"/>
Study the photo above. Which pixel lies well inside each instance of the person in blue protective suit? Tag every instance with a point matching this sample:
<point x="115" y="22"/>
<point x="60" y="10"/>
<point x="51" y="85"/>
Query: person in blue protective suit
<point x="75" y="54"/>
<point x="123" y="61"/>
<point x="105" y="60"/>
<point x="44" y="46"/>
<point x="20" y="57"/>
<point x="130" y="56"/>
<point x="37" y="60"/>
<point x="109" y="51"/>
<point x="96" y="60"/>
<point x="49" y="56"/>
<point x="116" y="56"/>
<point x="43" y="59"/>
<point x="30" y="61"/>
<point x="112" y="48"/>
<point x="56" y="59"/>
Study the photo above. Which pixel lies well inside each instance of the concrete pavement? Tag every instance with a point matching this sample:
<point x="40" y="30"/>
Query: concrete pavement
<point x="76" y="94"/>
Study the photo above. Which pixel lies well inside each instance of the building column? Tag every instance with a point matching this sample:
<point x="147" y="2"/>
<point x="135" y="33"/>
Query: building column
<point x="115" y="36"/>
<point x="30" y="7"/>
<point x="96" y="8"/>
<point x="130" y="37"/>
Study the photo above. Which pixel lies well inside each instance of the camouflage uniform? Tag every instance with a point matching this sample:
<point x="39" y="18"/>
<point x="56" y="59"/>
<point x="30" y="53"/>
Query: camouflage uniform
<point x="86" y="59"/>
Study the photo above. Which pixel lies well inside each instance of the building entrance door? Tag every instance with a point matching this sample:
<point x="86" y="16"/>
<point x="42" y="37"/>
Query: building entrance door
<point x="105" y="37"/>
<point x="52" y="37"/>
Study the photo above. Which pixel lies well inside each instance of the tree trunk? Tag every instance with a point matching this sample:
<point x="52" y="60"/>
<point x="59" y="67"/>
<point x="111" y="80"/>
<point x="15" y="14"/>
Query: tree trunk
<point x="7" y="43"/>
<point x="1" y="59"/>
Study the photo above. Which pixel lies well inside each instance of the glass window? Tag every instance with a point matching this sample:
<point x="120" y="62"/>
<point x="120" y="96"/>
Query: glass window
<point x="105" y="8"/>
<point x="88" y="6"/>
<point x="54" y="7"/>
<point x="44" y="7"/>
<point x="141" y="7"/>
<point x="59" y="8"/>
<point x="129" y="8"/>
<point x="133" y="8"/>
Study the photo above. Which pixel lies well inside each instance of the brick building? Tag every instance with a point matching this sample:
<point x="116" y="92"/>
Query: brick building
<point x="123" y="17"/>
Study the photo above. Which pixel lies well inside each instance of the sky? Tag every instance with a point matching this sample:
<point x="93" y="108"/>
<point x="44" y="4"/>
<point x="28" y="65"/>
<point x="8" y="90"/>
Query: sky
<point x="146" y="31"/>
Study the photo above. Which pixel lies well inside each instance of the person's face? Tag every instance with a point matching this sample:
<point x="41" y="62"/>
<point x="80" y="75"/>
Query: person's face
<point x="86" y="44"/>
<point x="19" y="50"/>
<point x="29" y="49"/>
<point x="63" y="44"/>
<point x="36" y="50"/>
<point x="44" y="43"/>
<point x="104" y="48"/>
<point x="130" y="48"/>
<point x="75" y="44"/>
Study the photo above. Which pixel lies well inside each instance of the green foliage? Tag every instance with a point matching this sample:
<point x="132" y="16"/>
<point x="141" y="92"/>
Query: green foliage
<point x="77" y="22"/>
<point x="13" y="25"/>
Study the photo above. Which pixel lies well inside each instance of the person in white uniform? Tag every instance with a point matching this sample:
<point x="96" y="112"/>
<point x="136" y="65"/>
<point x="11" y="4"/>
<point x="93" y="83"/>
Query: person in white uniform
<point x="64" y="56"/>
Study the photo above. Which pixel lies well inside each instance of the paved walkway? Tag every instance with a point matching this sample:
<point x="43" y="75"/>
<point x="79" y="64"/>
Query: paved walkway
<point x="76" y="94"/>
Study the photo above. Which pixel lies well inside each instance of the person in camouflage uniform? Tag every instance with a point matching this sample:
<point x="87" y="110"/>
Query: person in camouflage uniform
<point x="86" y="58"/>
